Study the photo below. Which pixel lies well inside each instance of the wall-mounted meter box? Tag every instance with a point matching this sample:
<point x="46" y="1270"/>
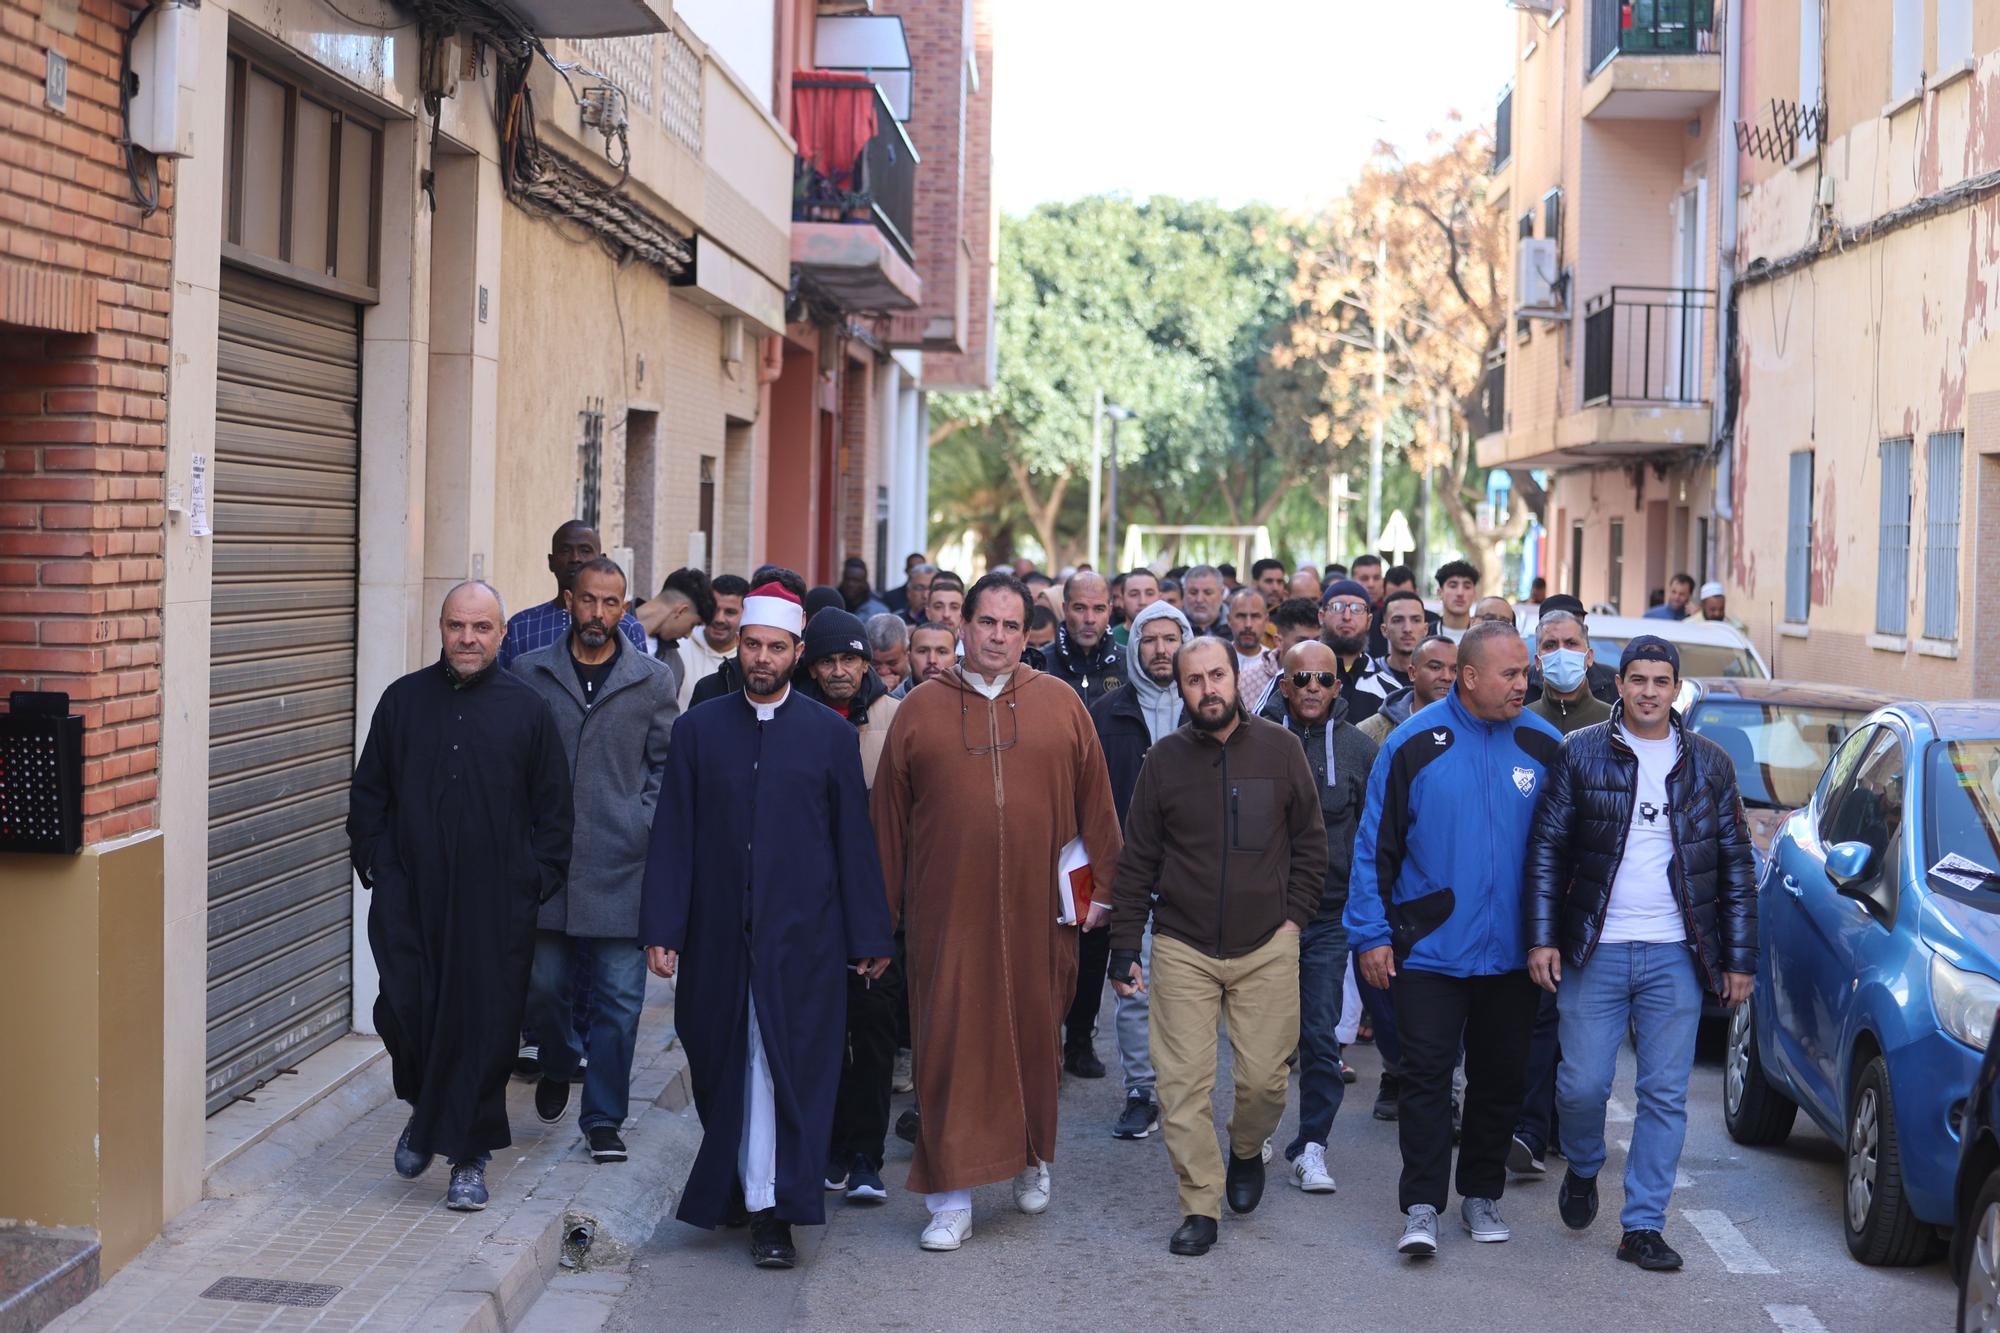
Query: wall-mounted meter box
<point x="164" y="62"/>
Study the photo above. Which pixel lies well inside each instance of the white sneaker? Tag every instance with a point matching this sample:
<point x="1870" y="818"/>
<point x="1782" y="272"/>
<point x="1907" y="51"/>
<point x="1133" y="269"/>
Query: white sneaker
<point x="903" y="1080"/>
<point x="1309" y="1171"/>
<point x="1268" y="1152"/>
<point x="947" y="1230"/>
<point x="1031" y="1189"/>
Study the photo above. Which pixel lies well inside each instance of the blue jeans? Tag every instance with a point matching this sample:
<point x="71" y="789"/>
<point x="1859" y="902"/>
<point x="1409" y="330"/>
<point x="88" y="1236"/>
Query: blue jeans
<point x="618" y="971"/>
<point x="1322" y="978"/>
<point x="1131" y="1015"/>
<point x="1653" y="988"/>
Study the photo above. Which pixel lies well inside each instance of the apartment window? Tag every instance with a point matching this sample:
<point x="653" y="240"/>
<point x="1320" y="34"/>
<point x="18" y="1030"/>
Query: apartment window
<point x="1954" y="35"/>
<point x="1798" y="537"/>
<point x="1552" y="214"/>
<point x="1941" y="495"/>
<point x="1576" y="561"/>
<point x="1617" y="590"/>
<point x="1892" y="556"/>
<point x="1906" y="48"/>
<point x="1526" y="228"/>
<point x="590" y="460"/>
<point x="1809" y="72"/>
<point x="1701" y="574"/>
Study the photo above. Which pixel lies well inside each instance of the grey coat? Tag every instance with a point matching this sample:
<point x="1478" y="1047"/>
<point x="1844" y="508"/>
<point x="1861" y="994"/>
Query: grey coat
<point x="617" y="755"/>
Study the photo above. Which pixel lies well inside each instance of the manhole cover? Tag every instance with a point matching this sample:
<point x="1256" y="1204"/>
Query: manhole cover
<point x="270" y="1291"/>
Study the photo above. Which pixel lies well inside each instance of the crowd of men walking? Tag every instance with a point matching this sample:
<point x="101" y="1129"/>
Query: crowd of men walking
<point x="900" y="842"/>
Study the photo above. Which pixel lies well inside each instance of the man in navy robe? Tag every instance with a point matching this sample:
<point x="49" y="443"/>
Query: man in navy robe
<point x="764" y="878"/>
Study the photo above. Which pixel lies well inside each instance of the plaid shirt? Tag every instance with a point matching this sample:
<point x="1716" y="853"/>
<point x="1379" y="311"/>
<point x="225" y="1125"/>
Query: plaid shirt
<point x="540" y="626"/>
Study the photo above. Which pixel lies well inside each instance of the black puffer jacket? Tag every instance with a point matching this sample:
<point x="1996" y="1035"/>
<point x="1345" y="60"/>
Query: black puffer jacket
<point x="1578" y="840"/>
<point x="1092" y="673"/>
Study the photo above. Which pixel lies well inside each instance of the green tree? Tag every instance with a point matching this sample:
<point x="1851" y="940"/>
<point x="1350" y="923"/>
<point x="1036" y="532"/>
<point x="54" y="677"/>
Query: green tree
<point x="1171" y="308"/>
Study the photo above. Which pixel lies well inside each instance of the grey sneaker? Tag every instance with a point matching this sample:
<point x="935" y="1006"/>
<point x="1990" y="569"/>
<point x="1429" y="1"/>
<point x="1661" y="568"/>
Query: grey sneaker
<point x="1483" y="1221"/>
<point x="467" y="1193"/>
<point x="1420" y="1232"/>
<point x="409" y="1162"/>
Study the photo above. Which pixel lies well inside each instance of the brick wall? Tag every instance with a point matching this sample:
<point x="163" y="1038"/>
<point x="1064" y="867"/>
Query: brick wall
<point x="856" y="500"/>
<point x="84" y="290"/>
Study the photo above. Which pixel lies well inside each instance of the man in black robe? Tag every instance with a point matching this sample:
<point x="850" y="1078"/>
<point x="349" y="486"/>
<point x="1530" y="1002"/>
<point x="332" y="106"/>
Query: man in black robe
<point x="459" y="822"/>
<point x="763" y="876"/>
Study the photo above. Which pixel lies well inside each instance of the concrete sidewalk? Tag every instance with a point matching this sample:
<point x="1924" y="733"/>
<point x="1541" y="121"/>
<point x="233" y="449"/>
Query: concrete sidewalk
<point x="338" y="1215"/>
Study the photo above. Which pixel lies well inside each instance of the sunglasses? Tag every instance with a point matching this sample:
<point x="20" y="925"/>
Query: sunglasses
<point x="1327" y="679"/>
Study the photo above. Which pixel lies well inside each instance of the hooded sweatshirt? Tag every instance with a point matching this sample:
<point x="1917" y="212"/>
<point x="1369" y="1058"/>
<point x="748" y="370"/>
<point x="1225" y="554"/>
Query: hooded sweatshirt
<point x="1160" y="705"/>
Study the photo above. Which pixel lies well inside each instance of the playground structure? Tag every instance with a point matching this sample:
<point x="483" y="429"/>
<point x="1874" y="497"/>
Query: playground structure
<point x="1164" y="546"/>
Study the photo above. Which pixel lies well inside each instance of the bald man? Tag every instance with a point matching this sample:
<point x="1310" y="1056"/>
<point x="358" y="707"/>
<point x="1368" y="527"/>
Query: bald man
<point x="458" y="822"/>
<point x="1083" y="654"/>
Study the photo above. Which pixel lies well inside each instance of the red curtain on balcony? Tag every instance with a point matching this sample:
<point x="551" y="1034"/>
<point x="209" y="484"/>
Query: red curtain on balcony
<point x="833" y="118"/>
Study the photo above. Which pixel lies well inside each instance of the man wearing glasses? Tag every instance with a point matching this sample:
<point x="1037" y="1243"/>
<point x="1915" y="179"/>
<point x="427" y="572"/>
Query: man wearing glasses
<point x="989" y="772"/>
<point x="1309" y="705"/>
<point x="1345" y="614"/>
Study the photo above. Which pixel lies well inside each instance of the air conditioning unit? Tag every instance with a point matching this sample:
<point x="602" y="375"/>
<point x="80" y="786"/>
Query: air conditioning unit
<point x="1539" y="285"/>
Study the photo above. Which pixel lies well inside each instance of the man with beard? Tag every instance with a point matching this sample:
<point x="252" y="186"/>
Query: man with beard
<point x="991" y="770"/>
<point x="762" y="875"/>
<point x="944" y="603"/>
<point x="614" y="710"/>
<point x="458" y="822"/>
<point x="1083" y="656"/>
<point x="933" y="651"/>
<point x="1267" y="576"/>
<point x="728" y="677"/>
<point x="1128" y="723"/>
<point x="1256" y="664"/>
<point x="856" y="592"/>
<point x="1227" y="897"/>
<point x="1344" y="616"/>
<point x="1308" y="704"/>
<point x="836" y="673"/>
<point x="570" y="546"/>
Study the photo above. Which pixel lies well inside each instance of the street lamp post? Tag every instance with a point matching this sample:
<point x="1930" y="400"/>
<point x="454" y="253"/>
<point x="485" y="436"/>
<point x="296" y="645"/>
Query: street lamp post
<point x="1117" y="414"/>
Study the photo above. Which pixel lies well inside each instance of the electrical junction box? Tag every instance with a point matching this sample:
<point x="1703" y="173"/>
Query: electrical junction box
<point x="165" y="52"/>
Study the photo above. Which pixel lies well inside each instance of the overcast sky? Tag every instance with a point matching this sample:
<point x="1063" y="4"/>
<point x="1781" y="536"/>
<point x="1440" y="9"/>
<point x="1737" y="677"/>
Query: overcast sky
<point x="1273" y="100"/>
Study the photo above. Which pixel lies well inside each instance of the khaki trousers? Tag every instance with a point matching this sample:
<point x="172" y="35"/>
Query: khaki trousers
<point x="1257" y="996"/>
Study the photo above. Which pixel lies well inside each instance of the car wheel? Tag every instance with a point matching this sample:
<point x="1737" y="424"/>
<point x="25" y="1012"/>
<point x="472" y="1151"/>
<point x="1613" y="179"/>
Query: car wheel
<point x="1754" y="1112"/>
<point x="1979" y="1283"/>
<point x="1881" y="1229"/>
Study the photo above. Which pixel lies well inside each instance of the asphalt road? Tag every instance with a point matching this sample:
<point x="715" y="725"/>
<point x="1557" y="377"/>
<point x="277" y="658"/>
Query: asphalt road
<point x="1760" y="1229"/>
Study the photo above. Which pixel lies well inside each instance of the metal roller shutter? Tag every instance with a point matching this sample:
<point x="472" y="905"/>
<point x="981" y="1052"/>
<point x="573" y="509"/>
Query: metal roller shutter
<point x="284" y="481"/>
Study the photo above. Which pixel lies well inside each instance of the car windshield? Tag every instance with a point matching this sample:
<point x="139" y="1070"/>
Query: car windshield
<point x="1779" y="749"/>
<point x="1697" y="659"/>
<point x="1962" y="813"/>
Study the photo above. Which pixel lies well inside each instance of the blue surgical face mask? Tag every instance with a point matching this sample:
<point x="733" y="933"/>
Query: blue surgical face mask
<point x="1563" y="669"/>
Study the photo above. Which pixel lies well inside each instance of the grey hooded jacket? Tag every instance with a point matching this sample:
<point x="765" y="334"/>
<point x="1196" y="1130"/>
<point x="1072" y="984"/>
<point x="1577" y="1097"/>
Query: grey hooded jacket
<point x="617" y="753"/>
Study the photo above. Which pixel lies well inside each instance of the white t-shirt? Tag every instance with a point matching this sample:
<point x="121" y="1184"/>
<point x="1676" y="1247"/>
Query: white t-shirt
<point x="1453" y="634"/>
<point x="1642" y="908"/>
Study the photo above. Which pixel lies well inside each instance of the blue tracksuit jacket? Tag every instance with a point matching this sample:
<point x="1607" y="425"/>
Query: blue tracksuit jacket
<point x="1439" y="853"/>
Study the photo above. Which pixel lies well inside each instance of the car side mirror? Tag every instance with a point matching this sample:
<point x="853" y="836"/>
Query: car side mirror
<point x="1848" y="864"/>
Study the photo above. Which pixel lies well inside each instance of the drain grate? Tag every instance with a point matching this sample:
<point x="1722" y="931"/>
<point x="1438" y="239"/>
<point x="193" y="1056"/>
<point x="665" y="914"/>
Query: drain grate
<point x="271" y="1291"/>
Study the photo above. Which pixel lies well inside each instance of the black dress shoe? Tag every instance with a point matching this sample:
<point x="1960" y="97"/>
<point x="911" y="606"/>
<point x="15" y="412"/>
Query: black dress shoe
<point x="906" y="1125"/>
<point x="1576" y="1199"/>
<point x="1193" y="1236"/>
<point x="1244" y="1186"/>
<point x="1649" y="1250"/>
<point x="735" y="1213"/>
<point x="771" y="1241"/>
<point x="1083" y="1062"/>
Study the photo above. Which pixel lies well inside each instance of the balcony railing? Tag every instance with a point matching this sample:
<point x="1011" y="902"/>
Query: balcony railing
<point x="878" y="187"/>
<point x="1493" y="399"/>
<point x="1647" y="345"/>
<point x="1650" y="27"/>
<point x="1503" y="130"/>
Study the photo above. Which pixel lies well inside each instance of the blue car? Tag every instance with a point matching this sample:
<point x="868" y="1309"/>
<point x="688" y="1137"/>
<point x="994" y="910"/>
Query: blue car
<point x="1878" y="976"/>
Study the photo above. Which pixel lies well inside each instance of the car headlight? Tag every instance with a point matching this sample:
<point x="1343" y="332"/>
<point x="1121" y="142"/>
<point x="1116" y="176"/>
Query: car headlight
<point x="1965" y="1002"/>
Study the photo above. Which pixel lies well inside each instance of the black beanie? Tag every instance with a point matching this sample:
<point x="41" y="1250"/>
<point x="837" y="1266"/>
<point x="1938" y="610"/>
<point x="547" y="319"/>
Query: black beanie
<point x="833" y="631"/>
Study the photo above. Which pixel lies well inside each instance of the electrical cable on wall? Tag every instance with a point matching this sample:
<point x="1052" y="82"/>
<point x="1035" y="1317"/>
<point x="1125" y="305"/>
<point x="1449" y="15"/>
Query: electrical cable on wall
<point x="142" y="168"/>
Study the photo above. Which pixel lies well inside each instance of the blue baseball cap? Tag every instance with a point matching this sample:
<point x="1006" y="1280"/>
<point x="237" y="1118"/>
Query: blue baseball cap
<point x="1650" y="648"/>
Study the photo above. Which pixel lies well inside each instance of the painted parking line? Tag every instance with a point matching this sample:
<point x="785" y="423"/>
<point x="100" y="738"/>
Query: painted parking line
<point x="1731" y="1246"/>
<point x="1617" y="1112"/>
<point x="1795" y="1318"/>
<point x="1682" y="1180"/>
